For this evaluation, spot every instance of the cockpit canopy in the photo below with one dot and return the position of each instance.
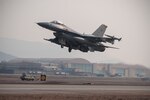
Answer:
(57, 22)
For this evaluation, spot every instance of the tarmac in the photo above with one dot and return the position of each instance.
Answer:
(43, 88)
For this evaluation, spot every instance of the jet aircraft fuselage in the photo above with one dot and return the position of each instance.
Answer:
(67, 37)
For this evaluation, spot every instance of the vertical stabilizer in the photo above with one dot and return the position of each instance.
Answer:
(100, 31)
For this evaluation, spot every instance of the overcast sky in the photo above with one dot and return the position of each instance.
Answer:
(129, 19)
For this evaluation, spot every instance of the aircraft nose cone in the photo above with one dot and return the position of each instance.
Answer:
(43, 24)
(46, 25)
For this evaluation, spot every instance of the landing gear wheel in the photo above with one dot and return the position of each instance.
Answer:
(69, 49)
(62, 46)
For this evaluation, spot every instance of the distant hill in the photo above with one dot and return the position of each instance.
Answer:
(6, 57)
(32, 49)
(51, 60)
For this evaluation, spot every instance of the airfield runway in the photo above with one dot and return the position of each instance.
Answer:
(73, 92)
(38, 88)
(74, 88)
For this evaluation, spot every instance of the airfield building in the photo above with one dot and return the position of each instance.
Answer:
(72, 66)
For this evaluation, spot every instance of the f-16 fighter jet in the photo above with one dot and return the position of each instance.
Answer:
(66, 37)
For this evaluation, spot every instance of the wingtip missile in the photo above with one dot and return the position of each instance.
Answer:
(46, 39)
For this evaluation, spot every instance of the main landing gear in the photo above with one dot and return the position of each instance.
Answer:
(62, 46)
(69, 49)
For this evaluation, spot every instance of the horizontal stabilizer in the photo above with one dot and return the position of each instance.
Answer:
(111, 47)
(114, 38)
